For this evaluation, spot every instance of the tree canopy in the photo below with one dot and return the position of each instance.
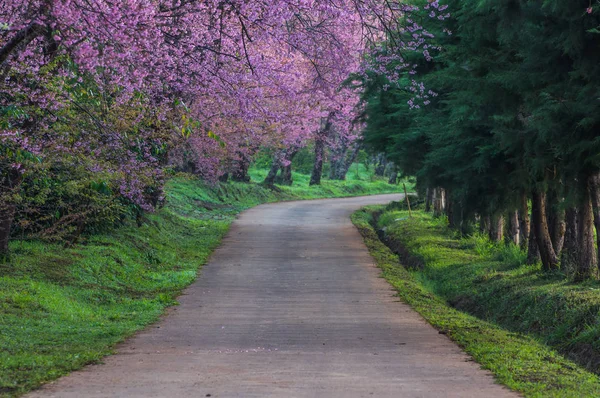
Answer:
(515, 116)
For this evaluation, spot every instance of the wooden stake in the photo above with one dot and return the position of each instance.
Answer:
(407, 200)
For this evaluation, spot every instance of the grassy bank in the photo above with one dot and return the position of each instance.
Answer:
(501, 312)
(63, 308)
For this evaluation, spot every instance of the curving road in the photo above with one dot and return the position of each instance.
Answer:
(290, 305)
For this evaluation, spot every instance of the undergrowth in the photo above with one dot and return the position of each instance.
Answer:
(513, 319)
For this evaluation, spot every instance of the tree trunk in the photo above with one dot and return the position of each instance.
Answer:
(240, 175)
(595, 194)
(240, 168)
(315, 178)
(558, 238)
(467, 224)
(454, 212)
(286, 171)
(270, 178)
(439, 202)
(224, 177)
(393, 178)
(341, 161)
(513, 234)
(348, 163)
(556, 221)
(7, 215)
(337, 160)
(587, 261)
(381, 163)
(485, 223)
(428, 199)
(443, 198)
(533, 252)
(10, 182)
(524, 221)
(286, 175)
(497, 228)
(570, 252)
(450, 211)
(20, 40)
(542, 235)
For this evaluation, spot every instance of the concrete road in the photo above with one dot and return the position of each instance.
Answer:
(290, 305)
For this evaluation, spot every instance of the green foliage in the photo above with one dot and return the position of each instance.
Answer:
(511, 255)
(263, 159)
(483, 246)
(518, 361)
(304, 160)
(97, 162)
(59, 204)
(302, 164)
(515, 110)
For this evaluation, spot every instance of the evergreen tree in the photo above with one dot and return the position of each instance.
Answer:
(516, 116)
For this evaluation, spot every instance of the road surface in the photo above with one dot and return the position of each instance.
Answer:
(290, 305)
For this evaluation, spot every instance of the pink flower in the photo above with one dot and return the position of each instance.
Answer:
(589, 10)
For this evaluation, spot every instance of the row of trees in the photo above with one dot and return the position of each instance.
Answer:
(504, 124)
(100, 99)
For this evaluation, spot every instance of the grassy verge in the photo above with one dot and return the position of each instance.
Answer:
(448, 264)
(61, 309)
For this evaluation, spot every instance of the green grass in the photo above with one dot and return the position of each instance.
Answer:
(361, 183)
(514, 311)
(63, 308)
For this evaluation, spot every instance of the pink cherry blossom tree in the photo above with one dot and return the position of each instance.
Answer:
(251, 73)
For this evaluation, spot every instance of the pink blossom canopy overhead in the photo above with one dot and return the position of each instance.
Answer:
(251, 73)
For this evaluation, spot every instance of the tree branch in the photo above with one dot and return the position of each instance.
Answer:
(23, 37)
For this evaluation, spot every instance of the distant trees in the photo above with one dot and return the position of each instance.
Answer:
(506, 120)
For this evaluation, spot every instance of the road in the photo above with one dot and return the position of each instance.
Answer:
(290, 305)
